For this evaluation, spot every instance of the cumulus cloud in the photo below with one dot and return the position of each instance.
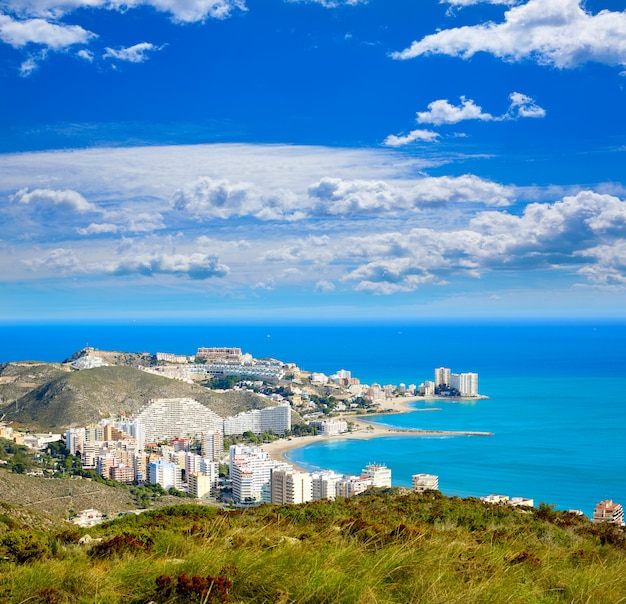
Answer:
(59, 260)
(427, 136)
(39, 31)
(524, 106)
(583, 232)
(137, 53)
(338, 197)
(98, 229)
(66, 200)
(194, 266)
(209, 198)
(558, 33)
(442, 112)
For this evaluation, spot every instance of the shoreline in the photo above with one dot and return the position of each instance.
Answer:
(364, 430)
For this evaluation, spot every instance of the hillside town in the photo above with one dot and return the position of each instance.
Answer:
(182, 447)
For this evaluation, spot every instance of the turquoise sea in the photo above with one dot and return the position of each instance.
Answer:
(556, 406)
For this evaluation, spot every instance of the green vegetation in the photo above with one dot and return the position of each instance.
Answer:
(384, 546)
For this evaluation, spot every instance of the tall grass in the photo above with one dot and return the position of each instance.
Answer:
(382, 547)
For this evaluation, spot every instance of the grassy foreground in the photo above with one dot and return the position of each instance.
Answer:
(381, 547)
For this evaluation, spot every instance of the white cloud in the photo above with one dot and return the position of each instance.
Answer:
(331, 3)
(442, 112)
(39, 31)
(338, 197)
(415, 135)
(524, 106)
(87, 55)
(559, 33)
(137, 53)
(194, 266)
(324, 286)
(59, 260)
(472, 2)
(98, 229)
(66, 200)
(187, 11)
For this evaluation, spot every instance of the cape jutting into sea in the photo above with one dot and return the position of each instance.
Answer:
(556, 406)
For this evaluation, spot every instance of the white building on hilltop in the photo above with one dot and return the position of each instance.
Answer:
(168, 418)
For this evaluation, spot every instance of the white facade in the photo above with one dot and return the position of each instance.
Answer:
(425, 482)
(442, 376)
(168, 418)
(290, 486)
(324, 484)
(276, 419)
(349, 486)
(250, 469)
(379, 474)
(75, 440)
(465, 383)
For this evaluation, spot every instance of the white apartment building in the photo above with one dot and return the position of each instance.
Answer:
(165, 473)
(290, 486)
(201, 485)
(75, 440)
(276, 419)
(213, 445)
(465, 383)
(250, 469)
(330, 427)
(324, 484)
(607, 511)
(425, 482)
(168, 418)
(379, 474)
(442, 377)
(349, 486)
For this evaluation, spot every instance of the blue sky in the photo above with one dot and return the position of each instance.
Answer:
(321, 159)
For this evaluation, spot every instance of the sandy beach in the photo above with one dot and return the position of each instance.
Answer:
(362, 430)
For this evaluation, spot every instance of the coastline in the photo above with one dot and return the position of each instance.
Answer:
(363, 430)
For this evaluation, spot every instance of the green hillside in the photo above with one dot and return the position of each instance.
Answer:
(78, 398)
(386, 546)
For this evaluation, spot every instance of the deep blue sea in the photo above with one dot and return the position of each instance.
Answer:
(557, 395)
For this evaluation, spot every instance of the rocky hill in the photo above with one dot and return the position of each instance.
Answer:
(58, 398)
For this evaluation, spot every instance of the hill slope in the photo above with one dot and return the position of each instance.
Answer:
(82, 397)
(384, 546)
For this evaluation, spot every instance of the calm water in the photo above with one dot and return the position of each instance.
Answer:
(557, 403)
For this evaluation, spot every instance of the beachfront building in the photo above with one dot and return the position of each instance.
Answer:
(466, 384)
(379, 474)
(166, 418)
(219, 354)
(607, 511)
(442, 377)
(289, 486)
(250, 470)
(427, 388)
(330, 427)
(324, 484)
(349, 485)
(425, 482)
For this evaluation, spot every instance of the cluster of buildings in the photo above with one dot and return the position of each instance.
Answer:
(256, 478)
(168, 428)
(447, 383)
